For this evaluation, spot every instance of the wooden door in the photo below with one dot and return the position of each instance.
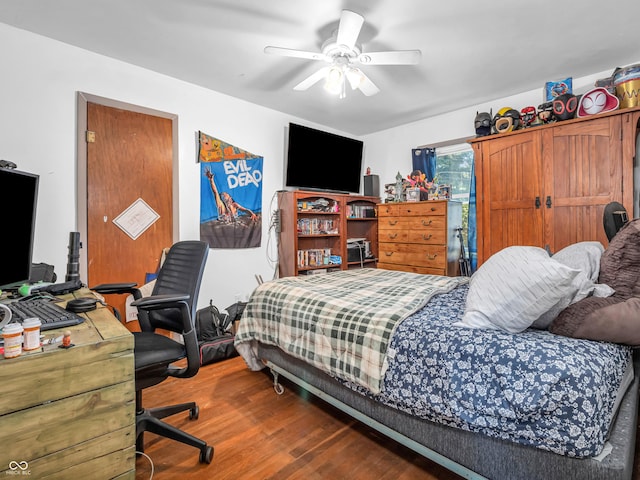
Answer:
(583, 173)
(509, 189)
(129, 157)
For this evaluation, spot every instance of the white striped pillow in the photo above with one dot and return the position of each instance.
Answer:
(514, 287)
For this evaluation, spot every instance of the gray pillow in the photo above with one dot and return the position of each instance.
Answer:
(585, 257)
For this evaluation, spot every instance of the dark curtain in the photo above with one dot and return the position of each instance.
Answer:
(424, 159)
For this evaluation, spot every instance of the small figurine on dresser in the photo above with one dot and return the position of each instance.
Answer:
(399, 188)
(417, 179)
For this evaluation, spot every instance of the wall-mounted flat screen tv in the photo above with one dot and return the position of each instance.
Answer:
(318, 160)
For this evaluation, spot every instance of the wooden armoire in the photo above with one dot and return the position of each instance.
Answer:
(548, 185)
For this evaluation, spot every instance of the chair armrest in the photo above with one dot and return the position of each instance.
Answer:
(155, 302)
(179, 302)
(108, 288)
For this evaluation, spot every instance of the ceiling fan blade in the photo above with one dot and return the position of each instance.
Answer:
(312, 79)
(349, 28)
(396, 57)
(357, 79)
(289, 52)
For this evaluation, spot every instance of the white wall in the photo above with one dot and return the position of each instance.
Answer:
(38, 86)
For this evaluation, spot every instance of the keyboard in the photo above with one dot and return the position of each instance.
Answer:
(50, 314)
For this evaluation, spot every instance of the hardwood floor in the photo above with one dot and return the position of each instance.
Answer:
(260, 435)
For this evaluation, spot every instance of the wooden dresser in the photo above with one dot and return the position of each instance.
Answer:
(420, 237)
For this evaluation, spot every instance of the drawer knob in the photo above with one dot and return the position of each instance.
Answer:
(392, 222)
(427, 237)
(425, 223)
(432, 257)
(433, 209)
(393, 235)
(388, 254)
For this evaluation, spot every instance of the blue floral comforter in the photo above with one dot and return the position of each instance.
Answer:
(534, 388)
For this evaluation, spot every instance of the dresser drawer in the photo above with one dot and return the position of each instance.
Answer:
(431, 256)
(392, 234)
(413, 269)
(422, 224)
(388, 209)
(432, 207)
(420, 235)
(428, 236)
(422, 208)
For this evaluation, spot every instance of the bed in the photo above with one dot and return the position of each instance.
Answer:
(404, 354)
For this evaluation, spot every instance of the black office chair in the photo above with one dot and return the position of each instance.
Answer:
(614, 218)
(172, 307)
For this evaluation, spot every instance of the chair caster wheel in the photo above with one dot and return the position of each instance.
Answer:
(206, 455)
(194, 413)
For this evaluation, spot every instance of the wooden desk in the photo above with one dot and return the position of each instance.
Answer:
(70, 413)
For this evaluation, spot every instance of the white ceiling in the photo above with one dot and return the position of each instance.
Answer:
(472, 52)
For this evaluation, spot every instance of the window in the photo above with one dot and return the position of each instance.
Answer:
(453, 167)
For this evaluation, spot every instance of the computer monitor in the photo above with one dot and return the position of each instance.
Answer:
(18, 198)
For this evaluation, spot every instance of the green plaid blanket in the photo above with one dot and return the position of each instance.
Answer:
(340, 322)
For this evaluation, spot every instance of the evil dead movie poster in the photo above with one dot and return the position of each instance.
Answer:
(230, 195)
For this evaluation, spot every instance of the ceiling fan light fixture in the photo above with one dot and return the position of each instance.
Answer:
(334, 81)
(355, 78)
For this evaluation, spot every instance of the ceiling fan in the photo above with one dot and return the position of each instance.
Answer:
(342, 53)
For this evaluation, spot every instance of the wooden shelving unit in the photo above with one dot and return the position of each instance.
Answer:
(315, 227)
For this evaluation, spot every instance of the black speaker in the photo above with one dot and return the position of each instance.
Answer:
(73, 262)
(372, 185)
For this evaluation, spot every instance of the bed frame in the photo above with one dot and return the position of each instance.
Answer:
(470, 455)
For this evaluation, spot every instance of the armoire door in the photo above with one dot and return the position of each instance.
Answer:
(583, 173)
(509, 185)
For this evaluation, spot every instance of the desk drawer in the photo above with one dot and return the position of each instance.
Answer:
(67, 430)
(432, 256)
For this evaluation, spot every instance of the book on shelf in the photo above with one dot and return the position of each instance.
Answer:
(317, 226)
(323, 205)
(361, 211)
(314, 257)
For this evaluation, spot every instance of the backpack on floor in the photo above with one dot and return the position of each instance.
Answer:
(214, 339)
